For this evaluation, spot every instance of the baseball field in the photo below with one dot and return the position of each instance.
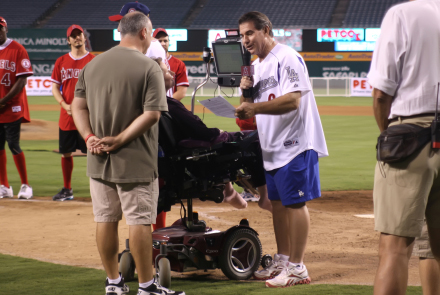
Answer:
(49, 247)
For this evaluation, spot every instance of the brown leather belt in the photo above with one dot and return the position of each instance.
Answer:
(413, 116)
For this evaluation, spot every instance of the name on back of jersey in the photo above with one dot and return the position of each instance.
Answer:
(7, 65)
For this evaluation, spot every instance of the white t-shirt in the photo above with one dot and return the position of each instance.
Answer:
(406, 60)
(283, 137)
(156, 50)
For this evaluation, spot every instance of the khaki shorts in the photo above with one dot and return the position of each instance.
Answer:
(138, 201)
(405, 191)
(422, 248)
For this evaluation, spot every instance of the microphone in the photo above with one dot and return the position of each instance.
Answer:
(247, 70)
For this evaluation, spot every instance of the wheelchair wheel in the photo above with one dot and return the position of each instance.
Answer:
(127, 266)
(164, 272)
(266, 260)
(241, 254)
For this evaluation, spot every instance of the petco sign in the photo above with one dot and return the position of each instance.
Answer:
(331, 35)
(38, 86)
(360, 87)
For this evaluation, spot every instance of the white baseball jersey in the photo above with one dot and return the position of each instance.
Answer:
(283, 137)
(156, 50)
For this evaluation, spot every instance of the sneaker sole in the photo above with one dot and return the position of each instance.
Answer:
(64, 199)
(302, 282)
(6, 197)
(21, 197)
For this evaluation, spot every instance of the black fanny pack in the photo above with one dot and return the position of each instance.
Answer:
(401, 141)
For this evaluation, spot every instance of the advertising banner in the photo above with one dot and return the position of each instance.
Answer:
(41, 43)
(360, 87)
(39, 86)
(341, 69)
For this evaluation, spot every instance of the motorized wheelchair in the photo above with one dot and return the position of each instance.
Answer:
(196, 169)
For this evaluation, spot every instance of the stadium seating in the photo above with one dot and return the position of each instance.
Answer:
(94, 14)
(367, 14)
(22, 13)
(282, 13)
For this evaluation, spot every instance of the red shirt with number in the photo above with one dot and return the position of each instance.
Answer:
(14, 63)
(65, 73)
(181, 77)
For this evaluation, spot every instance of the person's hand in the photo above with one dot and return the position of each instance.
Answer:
(245, 111)
(108, 144)
(246, 82)
(2, 104)
(92, 145)
(67, 108)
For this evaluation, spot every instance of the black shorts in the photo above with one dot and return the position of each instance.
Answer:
(70, 141)
(10, 132)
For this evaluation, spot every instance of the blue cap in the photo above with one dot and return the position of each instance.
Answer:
(130, 7)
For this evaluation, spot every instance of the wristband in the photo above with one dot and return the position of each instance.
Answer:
(88, 136)
(61, 102)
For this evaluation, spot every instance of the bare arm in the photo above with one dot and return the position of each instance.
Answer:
(138, 127)
(80, 114)
(59, 98)
(381, 107)
(180, 93)
(278, 106)
(15, 89)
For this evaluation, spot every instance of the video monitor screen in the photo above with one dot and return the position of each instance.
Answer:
(228, 58)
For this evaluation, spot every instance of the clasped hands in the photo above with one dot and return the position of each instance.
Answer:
(100, 146)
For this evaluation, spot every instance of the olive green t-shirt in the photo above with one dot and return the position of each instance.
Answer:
(119, 85)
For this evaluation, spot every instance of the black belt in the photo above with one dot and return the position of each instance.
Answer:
(412, 117)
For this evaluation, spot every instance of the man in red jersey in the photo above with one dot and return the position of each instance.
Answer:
(15, 67)
(65, 75)
(181, 83)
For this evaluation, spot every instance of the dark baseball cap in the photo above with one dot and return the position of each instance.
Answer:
(159, 30)
(3, 22)
(130, 7)
(73, 27)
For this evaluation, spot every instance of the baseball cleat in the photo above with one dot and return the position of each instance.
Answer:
(64, 194)
(6, 192)
(26, 192)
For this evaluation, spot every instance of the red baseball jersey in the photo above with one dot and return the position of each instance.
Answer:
(14, 63)
(65, 73)
(179, 68)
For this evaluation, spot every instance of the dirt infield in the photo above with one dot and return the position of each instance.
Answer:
(342, 248)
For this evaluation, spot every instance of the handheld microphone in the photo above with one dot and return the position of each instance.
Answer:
(247, 70)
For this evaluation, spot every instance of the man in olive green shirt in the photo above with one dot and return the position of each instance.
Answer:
(118, 100)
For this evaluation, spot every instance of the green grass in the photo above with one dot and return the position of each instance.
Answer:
(21, 276)
(350, 139)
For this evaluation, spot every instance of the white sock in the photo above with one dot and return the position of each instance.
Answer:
(115, 281)
(283, 257)
(146, 285)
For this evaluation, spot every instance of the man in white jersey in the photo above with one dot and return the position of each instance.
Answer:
(155, 50)
(405, 72)
(291, 139)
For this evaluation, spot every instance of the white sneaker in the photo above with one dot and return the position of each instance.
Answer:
(25, 192)
(249, 197)
(272, 270)
(290, 276)
(6, 192)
